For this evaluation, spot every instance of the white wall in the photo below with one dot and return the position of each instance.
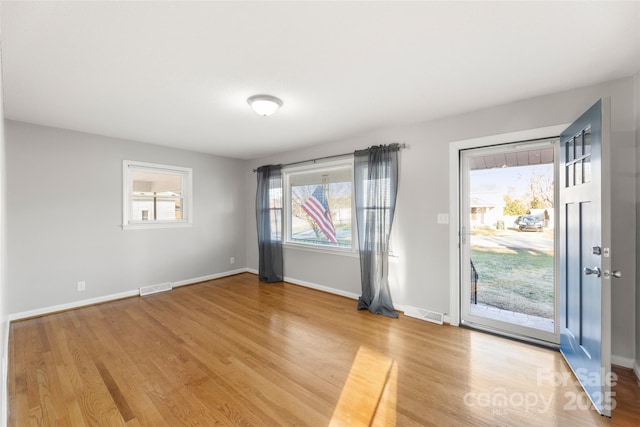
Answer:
(64, 210)
(420, 277)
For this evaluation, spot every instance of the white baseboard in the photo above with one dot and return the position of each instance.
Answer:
(334, 291)
(313, 286)
(636, 369)
(625, 362)
(71, 305)
(322, 288)
(209, 277)
(106, 298)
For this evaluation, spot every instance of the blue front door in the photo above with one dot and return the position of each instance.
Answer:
(585, 255)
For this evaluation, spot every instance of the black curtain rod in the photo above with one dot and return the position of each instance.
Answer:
(325, 158)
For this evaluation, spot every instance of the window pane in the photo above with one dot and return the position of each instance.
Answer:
(275, 218)
(275, 198)
(578, 166)
(156, 196)
(275, 208)
(586, 163)
(168, 209)
(321, 207)
(160, 184)
(142, 209)
(578, 146)
(587, 140)
(570, 150)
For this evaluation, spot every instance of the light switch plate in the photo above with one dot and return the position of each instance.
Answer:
(443, 218)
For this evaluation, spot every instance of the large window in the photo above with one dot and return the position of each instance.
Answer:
(156, 195)
(319, 204)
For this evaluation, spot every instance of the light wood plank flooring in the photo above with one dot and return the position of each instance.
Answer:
(237, 352)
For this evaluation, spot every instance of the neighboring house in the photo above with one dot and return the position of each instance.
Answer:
(483, 213)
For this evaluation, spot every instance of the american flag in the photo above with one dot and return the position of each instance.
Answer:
(318, 208)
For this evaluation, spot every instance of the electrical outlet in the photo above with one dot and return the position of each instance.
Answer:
(232, 260)
(81, 286)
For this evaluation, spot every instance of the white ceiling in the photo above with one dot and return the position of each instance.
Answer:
(179, 73)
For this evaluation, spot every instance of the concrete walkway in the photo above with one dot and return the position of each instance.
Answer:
(521, 319)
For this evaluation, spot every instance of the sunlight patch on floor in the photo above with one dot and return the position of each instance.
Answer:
(369, 394)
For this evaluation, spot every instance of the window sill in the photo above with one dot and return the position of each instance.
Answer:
(393, 257)
(156, 225)
(324, 250)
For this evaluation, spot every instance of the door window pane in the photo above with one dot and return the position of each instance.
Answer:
(586, 163)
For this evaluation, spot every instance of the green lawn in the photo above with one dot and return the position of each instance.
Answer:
(518, 280)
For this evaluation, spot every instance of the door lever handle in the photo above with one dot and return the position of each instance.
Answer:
(595, 271)
(608, 274)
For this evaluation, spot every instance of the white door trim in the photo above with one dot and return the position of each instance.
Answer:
(454, 199)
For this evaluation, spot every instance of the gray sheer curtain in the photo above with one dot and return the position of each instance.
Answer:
(376, 185)
(269, 220)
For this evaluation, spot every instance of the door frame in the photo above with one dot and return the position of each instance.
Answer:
(501, 327)
(454, 200)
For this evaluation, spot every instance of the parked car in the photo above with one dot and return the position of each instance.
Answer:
(528, 223)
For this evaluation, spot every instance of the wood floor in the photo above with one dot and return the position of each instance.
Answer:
(236, 352)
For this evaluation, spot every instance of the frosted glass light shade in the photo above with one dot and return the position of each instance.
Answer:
(265, 105)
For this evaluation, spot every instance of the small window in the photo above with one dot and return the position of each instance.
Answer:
(319, 205)
(156, 196)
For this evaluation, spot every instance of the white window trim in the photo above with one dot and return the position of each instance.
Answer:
(309, 247)
(187, 187)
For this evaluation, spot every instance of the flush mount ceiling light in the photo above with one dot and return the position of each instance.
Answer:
(265, 105)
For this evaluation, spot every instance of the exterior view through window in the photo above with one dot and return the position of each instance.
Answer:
(156, 195)
(320, 202)
(509, 228)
